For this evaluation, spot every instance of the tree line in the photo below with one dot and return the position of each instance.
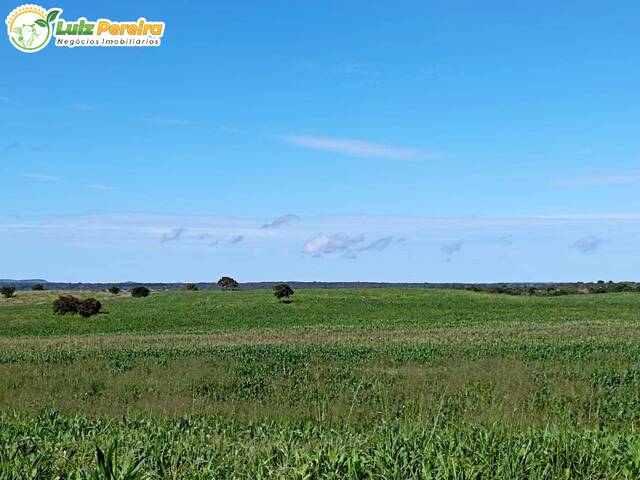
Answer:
(71, 305)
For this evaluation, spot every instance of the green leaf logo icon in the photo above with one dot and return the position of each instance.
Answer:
(52, 15)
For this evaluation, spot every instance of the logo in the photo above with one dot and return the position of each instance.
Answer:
(31, 27)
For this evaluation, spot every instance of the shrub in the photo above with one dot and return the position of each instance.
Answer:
(140, 291)
(89, 307)
(114, 290)
(7, 292)
(191, 286)
(38, 287)
(282, 291)
(623, 287)
(568, 290)
(66, 305)
(227, 283)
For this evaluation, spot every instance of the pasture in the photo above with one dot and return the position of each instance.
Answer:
(371, 383)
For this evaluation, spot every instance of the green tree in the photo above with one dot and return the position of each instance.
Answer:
(282, 291)
(8, 291)
(89, 307)
(227, 283)
(140, 291)
(66, 305)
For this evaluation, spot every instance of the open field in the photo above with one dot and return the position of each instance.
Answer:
(380, 383)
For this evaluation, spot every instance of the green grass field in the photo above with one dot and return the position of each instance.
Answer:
(378, 383)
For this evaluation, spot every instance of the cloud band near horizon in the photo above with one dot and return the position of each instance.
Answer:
(359, 148)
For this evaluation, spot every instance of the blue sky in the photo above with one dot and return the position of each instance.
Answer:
(383, 141)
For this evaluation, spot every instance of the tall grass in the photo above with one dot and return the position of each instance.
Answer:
(53, 446)
(379, 384)
(316, 311)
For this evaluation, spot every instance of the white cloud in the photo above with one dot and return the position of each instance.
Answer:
(224, 129)
(325, 244)
(588, 245)
(588, 216)
(345, 244)
(282, 221)
(451, 248)
(172, 235)
(236, 239)
(170, 121)
(379, 244)
(430, 238)
(358, 148)
(597, 180)
(181, 122)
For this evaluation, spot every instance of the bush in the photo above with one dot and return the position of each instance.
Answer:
(623, 287)
(114, 290)
(282, 291)
(191, 286)
(7, 292)
(140, 291)
(89, 307)
(568, 290)
(66, 305)
(37, 287)
(227, 283)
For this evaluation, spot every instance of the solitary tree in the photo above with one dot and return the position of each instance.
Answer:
(8, 291)
(191, 286)
(89, 307)
(283, 291)
(38, 287)
(66, 305)
(140, 291)
(114, 290)
(227, 283)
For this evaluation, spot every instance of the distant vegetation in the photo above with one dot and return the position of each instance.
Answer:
(140, 291)
(89, 307)
(227, 283)
(282, 291)
(512, 288)
(8, 291)
(70, 305)
(38, 287)
(114, 290)
(66, 305)
(553, 290)
(191, 286)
